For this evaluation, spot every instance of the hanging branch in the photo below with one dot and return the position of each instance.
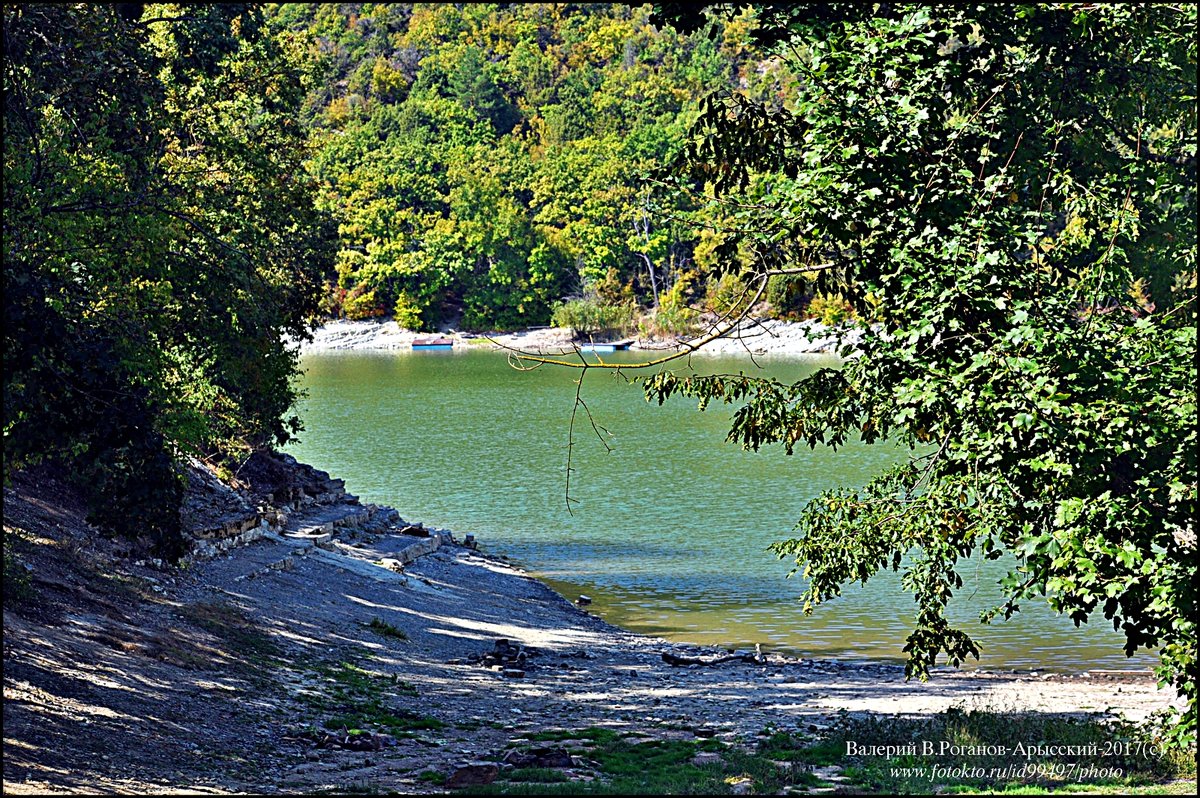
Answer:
(596, 428)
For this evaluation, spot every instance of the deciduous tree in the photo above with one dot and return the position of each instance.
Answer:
(1010, 191)
(159, 241)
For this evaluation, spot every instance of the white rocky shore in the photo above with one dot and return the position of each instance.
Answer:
(754, 337)
(239, 673)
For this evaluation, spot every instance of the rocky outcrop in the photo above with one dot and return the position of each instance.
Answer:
(280, 480)
(473, 774)
(275, 496)
(214, 511)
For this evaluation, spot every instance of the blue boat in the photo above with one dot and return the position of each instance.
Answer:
(433, 343)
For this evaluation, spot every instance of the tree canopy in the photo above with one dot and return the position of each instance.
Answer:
(1010, 192)
(160, 238)
(486, 160)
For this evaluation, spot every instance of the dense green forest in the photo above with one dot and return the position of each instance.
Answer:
(485, 161)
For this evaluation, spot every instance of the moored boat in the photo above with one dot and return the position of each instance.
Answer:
(433, 343)
(611, 346)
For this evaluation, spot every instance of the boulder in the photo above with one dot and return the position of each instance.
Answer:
(546, 757)
(281, 479)
(473, 774)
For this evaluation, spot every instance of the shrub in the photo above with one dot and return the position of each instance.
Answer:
(407, 312)
(362, 304)
(382, 627)
(674, 315)
(673, 320)
(787, 294)
(830, 309)
(726, 295)
(331, 300)
(612, 291)
(591, 316)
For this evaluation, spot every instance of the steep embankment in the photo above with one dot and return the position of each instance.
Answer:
(247, 671)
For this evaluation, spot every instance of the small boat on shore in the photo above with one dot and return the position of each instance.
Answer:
(612, 346)
(433, 343)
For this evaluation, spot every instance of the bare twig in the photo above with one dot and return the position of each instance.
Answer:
(929, 468)
(596, 428)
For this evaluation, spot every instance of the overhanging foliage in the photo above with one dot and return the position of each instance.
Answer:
(1011, 193)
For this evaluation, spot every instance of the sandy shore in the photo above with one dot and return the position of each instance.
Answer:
(755, 337)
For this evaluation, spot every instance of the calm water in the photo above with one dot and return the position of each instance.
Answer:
(670, 529)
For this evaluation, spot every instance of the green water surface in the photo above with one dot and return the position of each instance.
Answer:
(669, 531)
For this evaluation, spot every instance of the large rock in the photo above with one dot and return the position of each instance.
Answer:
(264, 490)
(420, 548)
(546, 757)
(281, 479)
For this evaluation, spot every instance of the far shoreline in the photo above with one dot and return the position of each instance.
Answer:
(753, 337)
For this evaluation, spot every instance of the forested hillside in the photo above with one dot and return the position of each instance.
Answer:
(484, 161)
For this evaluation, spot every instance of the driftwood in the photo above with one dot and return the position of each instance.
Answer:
(678, 661)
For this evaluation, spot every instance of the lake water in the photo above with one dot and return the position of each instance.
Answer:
(670, 529)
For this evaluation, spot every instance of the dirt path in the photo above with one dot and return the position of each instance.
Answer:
(230, 675)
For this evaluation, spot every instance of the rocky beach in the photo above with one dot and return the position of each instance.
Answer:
(752, 336)
(314, 642)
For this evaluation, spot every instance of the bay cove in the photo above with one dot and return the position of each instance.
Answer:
(669, 533)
